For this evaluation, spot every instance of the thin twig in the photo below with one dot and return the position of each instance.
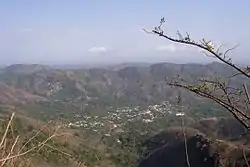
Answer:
(247, 93)
(245, 157)
(179, 101)
(53, 148)
(28, 151)
(146, 31)
(7, 129)
(229, 50)
(33, 137)
(192, 43)
(233, 110)
(185, 142)
(11, 150)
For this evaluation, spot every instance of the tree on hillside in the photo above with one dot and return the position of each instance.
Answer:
(233, 98)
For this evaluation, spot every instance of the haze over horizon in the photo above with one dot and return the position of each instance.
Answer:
(98, 32)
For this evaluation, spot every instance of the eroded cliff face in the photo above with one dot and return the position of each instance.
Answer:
(168, 150)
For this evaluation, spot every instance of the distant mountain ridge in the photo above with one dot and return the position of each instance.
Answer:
(26, 68)
(118, 85)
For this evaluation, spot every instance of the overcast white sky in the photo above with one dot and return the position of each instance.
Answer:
(77, 32)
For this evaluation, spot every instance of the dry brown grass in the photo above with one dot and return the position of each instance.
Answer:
(14, 151)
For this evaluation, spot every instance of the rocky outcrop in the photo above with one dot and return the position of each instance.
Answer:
(168, 149)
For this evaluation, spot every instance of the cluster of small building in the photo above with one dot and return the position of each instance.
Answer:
(121, 116)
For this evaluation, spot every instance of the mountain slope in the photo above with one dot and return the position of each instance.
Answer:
(100, 87)
(169, 148)
(11, 95)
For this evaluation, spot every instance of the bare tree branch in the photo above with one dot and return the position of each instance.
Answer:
(204, 45)
(235, 100)
(229, 50)
(234, 111)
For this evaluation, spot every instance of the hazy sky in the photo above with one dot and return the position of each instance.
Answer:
(103, 31)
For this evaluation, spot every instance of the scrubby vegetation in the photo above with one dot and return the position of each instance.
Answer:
(127, 116)
(106, 121)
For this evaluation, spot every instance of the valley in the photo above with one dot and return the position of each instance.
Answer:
(111, 115)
